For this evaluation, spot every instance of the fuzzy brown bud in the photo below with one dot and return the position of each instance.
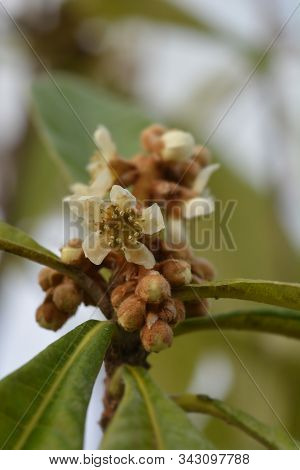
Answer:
(172, 311)
(150, 137)
(131, 313)
(121, 292)
(153, 288)
(48, 316)
(157, 337)
(43, 279)
(177, 272)
(168, 312)
(67, 297)
(49, 278)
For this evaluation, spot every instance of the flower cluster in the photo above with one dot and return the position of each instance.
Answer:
(144, 302)
(132, 213)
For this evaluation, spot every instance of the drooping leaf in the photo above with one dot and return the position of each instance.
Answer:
(281, 322)
(17, 242)
(270, 437)
(281, 294)
(43, 404)
(69, 109)
(147, 419)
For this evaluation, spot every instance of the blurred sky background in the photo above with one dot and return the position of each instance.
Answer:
(230, 73)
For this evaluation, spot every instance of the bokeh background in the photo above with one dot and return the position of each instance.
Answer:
(230, 73)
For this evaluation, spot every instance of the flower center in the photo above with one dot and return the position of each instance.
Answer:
(120, 227)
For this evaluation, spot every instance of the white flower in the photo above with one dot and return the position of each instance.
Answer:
(119, 225)
(177, 145)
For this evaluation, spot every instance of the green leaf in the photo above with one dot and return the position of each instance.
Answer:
(17, 242)
(281, 322)
(14, 240)
(44, 403)
(68, 110)
(147, 419)
(282, 294)
(270, 437)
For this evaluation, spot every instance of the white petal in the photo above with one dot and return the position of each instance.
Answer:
(103, 182)
(79, 189)
(198, 207)
(104, 142)
(94, 248)
(153, 220)
(75, 205)
(140, 255)
(204, 176)
(96, 164)
(178, 145)
(122, 197)
(91, 206)
(175, 231)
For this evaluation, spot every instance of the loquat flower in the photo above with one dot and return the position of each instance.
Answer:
(118, 225)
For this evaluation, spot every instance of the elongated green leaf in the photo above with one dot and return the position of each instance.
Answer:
(281, 322)
(69, 109)
(43, 404)
(147, 419)
(270, 437)
(282, 294)
(15, 241)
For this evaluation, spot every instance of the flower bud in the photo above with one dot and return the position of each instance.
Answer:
(177, 272)
(158, 337)
(172, 312)
(177, 145)
(153, 288)
(43, 279)
(121, 292)
(67, 297)
(150, 137)
(49, 278)
(131, 313)
(48, 316)
(71, 255)
(168, 312)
